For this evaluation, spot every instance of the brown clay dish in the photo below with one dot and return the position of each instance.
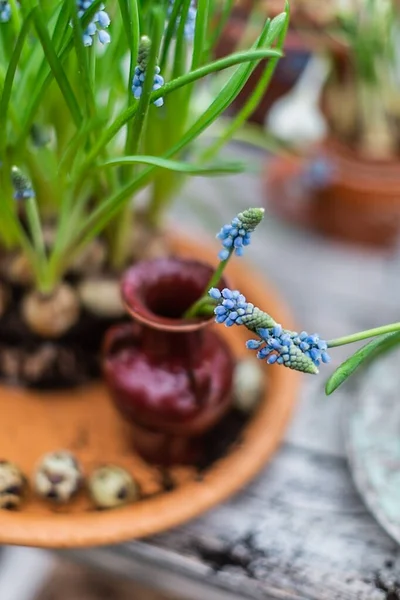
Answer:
(85, 422)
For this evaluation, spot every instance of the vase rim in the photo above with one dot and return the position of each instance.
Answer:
(140, 281)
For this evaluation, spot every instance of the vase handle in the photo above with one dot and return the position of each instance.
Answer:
(118, 336)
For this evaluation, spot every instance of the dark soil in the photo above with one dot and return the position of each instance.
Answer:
(29, 360)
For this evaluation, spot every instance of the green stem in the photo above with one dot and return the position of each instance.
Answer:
(194, 310)
(119, 238)
(56, 65)
(35, 227)
(130, 13)
(363, 335)
(122, 230)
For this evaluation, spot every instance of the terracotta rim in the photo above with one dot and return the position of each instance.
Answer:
(134, 301)
(261, 437)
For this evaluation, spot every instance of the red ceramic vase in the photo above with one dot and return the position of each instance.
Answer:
(170, 377)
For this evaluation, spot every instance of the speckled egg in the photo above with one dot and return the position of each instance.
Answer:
(12, 485)
(58, 476)
(112, 486)
(248, 385)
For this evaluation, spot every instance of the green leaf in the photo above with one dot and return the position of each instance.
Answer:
(42, 86)
(369, 351)
(104, 212)
(169, 33)
(200, 33)
(83, 62)
(218, 65)
(276, 27)
(180, 54)
(9, 80)
(130, 18)
(218, 168)
(157, 25)
(56, 66)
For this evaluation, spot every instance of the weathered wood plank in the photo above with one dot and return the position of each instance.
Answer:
(299, 531)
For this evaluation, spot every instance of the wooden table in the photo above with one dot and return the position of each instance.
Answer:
(300, 531)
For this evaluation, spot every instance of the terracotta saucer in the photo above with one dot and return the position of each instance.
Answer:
(85, 421)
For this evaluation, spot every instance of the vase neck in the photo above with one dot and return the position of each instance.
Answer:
(185, 345)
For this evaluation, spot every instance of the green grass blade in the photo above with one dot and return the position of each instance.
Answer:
(200, 33)
(9, 81)
(218, 168)
(144, 101)
(169, 33)
(83, 62)
(44, 82)
(218, 65)
(130, 18)
(278, 29)
(367, 352)
(56, 66)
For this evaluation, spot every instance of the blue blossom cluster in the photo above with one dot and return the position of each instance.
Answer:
(138, 80)
(232, 306)
(23, 189)
(236, 234)
(98, 25)
(312, 346)
(5, 11)
(302, 352)
(277, 345)
(190, 23)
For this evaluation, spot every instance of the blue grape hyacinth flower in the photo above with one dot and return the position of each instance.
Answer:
(312, 346)
(98, 25)
(138, 80)
(301, 352)
(23, 189)
(5, 11)
(232, 307)
(236, 234)
(190, 22)
(278, 345)
(140, 72)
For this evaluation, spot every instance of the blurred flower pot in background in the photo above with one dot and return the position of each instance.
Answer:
(349, 185)
(338, 193)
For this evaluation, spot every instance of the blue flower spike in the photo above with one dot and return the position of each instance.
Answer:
(190, 23)
(23, 189)
(236, 235)
(301, 352)
(5, 11)
(140, 72)
(231, 308)
(98, 24)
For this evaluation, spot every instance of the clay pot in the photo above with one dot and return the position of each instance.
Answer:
(339, 194)
(170, 378)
